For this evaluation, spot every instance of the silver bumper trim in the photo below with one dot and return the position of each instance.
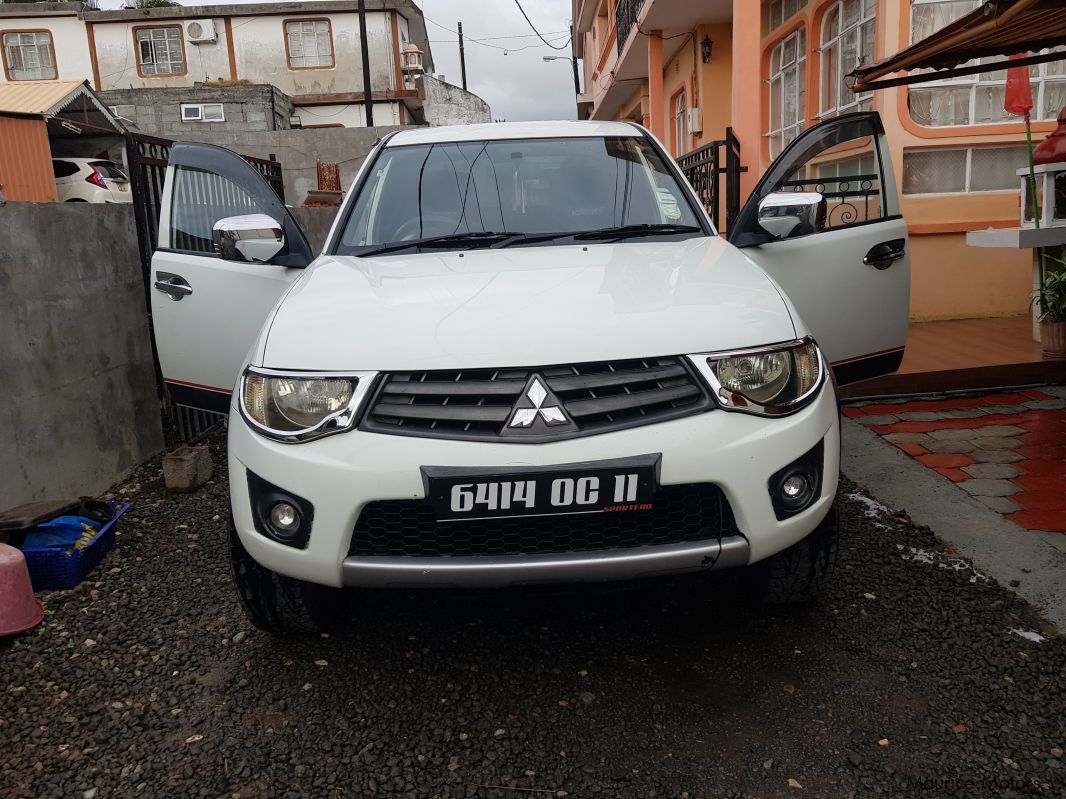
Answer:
(572, 567)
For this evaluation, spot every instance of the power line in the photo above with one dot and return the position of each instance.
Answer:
(486, 43)
(534, 29)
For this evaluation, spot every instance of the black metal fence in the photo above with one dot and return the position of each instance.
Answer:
(849, 198)
(704, 168)
(147, 158)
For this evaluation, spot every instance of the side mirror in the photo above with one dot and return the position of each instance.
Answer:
(787, 215)
(253, 237)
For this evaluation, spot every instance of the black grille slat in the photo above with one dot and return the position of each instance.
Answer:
(477, 404)
(458, 413)
(623, 402)
(604, 379)
(510, 388)
(408, 528)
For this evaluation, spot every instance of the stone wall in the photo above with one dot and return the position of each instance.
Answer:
(78, 402)
(447, 104)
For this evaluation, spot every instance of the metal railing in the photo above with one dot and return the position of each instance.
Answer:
(854, 198)
(704, 168)
(625, 19)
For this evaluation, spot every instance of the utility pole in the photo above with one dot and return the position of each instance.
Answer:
(368, 95)
(462, 56)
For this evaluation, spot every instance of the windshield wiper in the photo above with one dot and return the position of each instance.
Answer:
(632, 231)
(476, 237)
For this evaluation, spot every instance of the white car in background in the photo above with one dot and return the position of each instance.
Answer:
(525, 356)
(90, 180)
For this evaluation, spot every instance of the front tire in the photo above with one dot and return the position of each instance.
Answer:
(273, 602)
(797, 574)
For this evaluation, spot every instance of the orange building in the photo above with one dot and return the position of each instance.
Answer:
(767, 69)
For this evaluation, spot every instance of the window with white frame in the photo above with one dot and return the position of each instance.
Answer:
(310, 43)
(778, 12)
(958, 170)
(847, 41)
(160, 51)
(788, 95)
(975, 99)
(28, 55)
(202, 112)
(680, 109)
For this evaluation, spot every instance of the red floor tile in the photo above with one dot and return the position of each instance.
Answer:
(954, 475)
(1050, 520)
(945, 460)
(1043, 452)
(1041, 482)
(853, 413)
(1042, 500)
(1037, 394)
(1042, 467)
(1044, 437)
(949, 424)
(914, 450)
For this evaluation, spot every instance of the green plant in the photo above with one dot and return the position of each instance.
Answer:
(1052, 297)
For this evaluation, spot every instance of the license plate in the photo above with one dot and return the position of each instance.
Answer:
(618, 486)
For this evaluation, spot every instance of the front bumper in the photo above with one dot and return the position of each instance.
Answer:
(340, 474)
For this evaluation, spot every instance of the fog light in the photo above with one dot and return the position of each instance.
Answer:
(284, 518)
(794, 488)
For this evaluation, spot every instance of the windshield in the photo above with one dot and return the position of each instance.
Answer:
(523, 188)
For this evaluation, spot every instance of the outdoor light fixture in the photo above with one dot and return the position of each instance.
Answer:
(705, 48)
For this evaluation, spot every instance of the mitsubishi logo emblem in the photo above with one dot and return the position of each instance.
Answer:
(537, 401)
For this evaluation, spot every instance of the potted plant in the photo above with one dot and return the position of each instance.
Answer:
(1051, 300)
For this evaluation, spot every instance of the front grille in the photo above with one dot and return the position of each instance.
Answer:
(477, 404)
(410, 528)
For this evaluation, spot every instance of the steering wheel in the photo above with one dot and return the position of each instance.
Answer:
(409, 229)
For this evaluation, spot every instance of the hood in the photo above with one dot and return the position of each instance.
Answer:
(525, 306)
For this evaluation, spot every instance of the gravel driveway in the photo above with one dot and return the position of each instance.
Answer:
(906, 680)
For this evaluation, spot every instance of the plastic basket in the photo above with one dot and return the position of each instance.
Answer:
(63, 567)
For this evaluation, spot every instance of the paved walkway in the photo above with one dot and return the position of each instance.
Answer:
(1007, 450)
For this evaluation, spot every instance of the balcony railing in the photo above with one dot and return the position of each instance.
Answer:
(625, 19)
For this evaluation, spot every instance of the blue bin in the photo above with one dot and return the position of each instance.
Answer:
(63, 567)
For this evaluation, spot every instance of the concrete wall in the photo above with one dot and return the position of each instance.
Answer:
(446, 104)
(78, 405)
(245, 108)
(299, 150)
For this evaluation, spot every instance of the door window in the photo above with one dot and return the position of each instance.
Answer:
(845, 171)
(200, 199)
(64, 169)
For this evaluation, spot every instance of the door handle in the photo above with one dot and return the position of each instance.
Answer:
(883, 255)
(174, 286)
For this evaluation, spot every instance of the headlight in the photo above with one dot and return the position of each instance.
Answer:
(299, 406)
(769, 381)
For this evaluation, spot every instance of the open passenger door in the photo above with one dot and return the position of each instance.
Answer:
(228, 249)
(824, 222)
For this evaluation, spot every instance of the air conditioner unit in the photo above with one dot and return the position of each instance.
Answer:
(200, 31)
(695, 120)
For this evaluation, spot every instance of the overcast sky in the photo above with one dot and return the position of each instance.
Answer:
(507, 73)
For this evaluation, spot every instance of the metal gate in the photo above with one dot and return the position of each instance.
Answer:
(704, 168)
(147, 158)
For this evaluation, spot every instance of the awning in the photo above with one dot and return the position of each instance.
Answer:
(997, 28)
(69, 106)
